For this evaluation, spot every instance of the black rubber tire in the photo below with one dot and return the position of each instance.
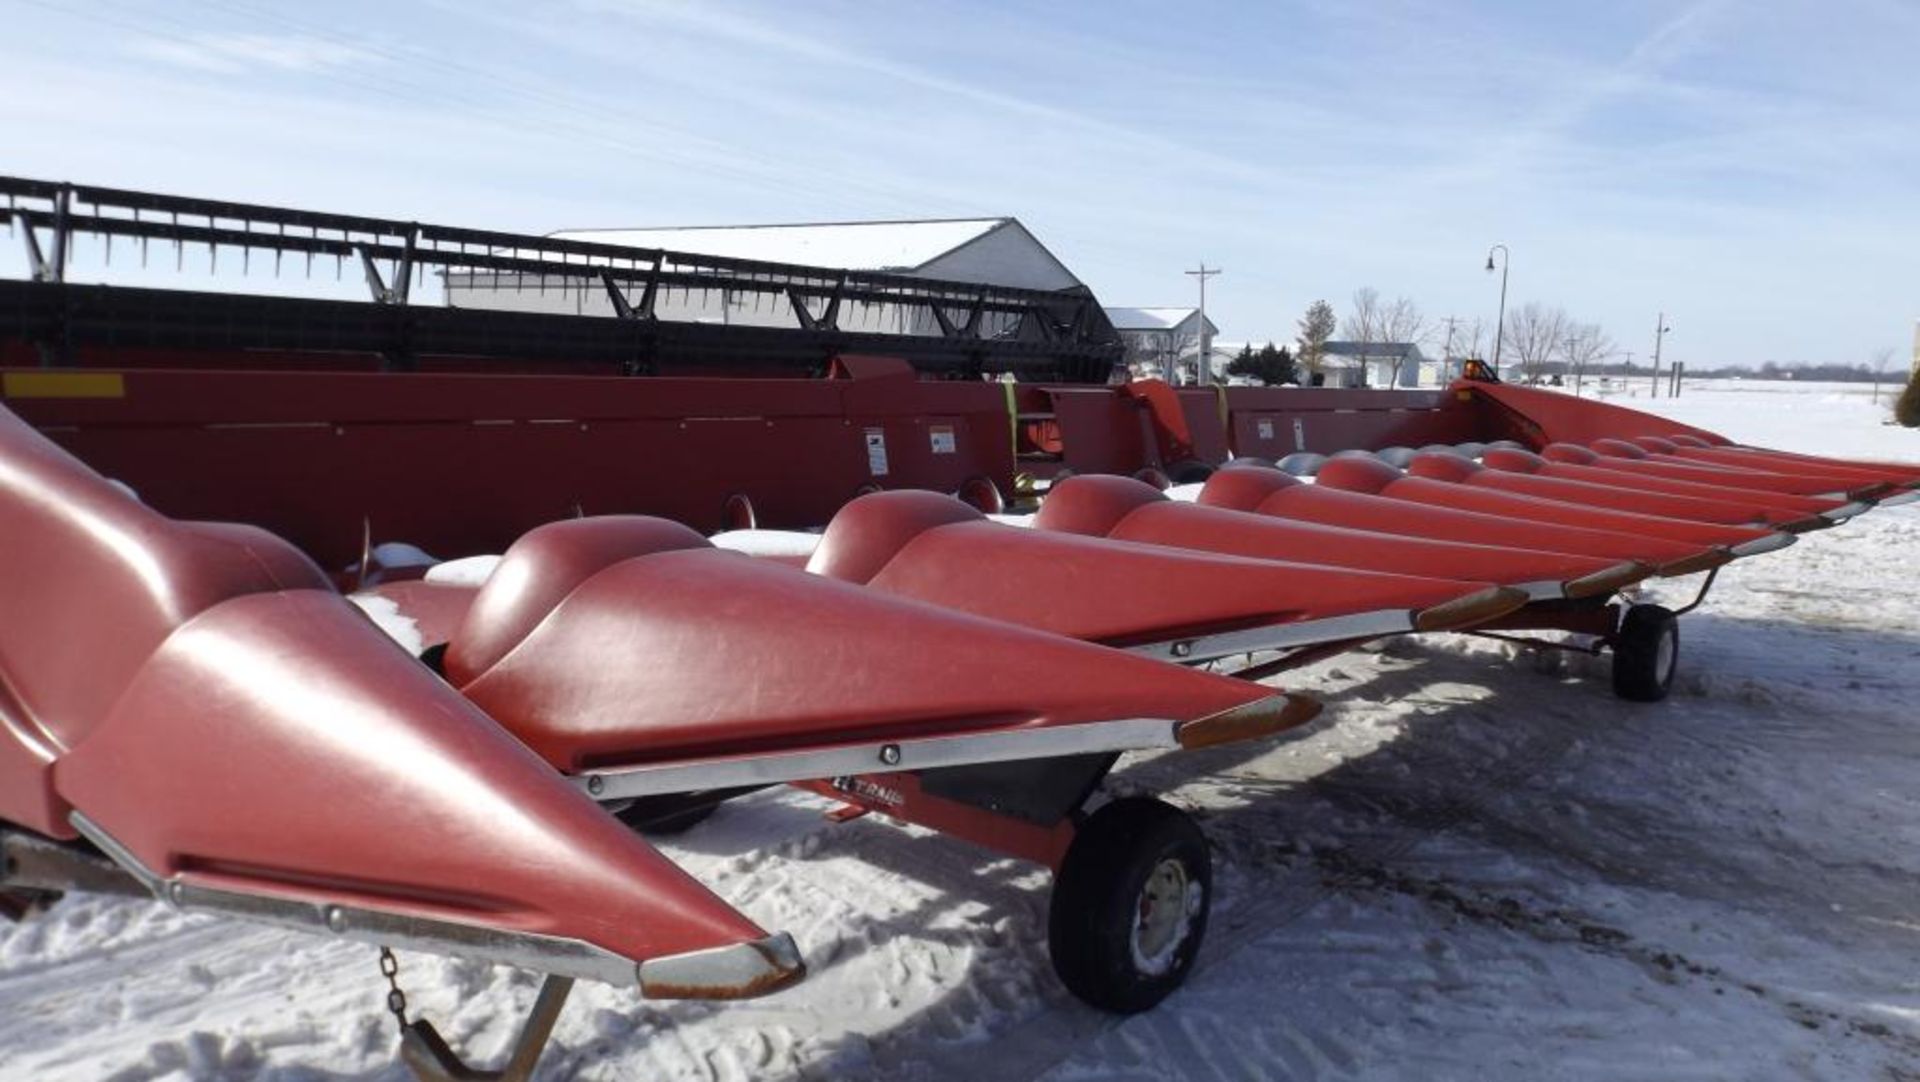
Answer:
(667, 826)
(1189, 472)
(1154, 476)
(981, 494)
(1097, 898)
(1646, 653)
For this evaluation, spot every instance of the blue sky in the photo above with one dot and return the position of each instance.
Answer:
(1749, 167)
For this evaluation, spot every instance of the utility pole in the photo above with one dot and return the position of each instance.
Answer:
(1446, 353)
(1660, 330)
(1203, 367)
(1500, 324)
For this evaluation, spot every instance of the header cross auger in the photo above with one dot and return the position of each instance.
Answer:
(190, 479)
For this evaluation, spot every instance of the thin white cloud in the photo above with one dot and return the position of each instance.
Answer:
(240, 54)
(732, 26)
(1691, 158)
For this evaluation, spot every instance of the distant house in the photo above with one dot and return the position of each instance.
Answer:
(1164, 340)
(1372, 364)
(1553, 373)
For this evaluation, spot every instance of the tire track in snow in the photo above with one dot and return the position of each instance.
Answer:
(1064, 1027)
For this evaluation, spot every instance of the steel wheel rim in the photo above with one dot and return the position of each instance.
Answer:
(1164, 916)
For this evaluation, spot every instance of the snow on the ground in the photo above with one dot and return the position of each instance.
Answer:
(790, 543)
(1842, 419)
(1478, 864)
(466, 571)
(386, 615)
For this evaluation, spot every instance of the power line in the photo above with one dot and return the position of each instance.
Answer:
(1203, 366)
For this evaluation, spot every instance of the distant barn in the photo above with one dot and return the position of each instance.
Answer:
(990, 251)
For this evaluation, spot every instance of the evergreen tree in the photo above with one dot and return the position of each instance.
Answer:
(1315, 328)
(1270, 366)
(1907, 409)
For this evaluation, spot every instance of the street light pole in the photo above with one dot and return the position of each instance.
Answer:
(1500, 327)
(1660, 330)
(1203, 366)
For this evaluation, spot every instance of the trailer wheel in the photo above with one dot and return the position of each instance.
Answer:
(1190, 471)
(666, 826)
(1645, 653)
(1130, 904)
(981, 494)
(1154, 476)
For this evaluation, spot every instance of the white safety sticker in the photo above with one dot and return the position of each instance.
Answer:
(1299, 435)
(877, 452)
(1266, 428)
(942, 439)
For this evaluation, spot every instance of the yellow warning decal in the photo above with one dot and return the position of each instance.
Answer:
(63, 385)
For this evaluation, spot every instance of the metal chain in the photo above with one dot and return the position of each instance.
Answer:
(396, 999)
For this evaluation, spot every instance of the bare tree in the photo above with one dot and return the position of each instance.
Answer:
(1463, 339)
(1881, 359)
(1471, 336)
(1374, 321)
(1363, 322)
(1402, 324)
(1586, 344)
(1315, 328)
(1535, 332)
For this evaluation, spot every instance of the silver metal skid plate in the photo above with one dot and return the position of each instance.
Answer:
(1128, 734)
(1361, 625)
(525, 950)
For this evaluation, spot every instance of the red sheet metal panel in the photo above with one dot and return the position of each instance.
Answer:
(1123, 509)
(321, 458)
(1447, 467)
(1270, 492)
(1372, 475)
(1102, 429)
(701, 652)
(1904, 472)
(1749, 458)
(1273, 422)
(205, 698)
(1800, 480)
(1630, 458)
(279, 743)
(934, 549)
(1188, 424)
(1538, 417)
(1777, 507)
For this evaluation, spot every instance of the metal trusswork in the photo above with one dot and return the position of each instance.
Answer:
(951, 329)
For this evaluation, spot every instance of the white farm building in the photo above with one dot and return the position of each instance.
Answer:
(989, 251)
(1164, 341)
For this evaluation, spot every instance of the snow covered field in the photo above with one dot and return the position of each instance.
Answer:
(1475, 865)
